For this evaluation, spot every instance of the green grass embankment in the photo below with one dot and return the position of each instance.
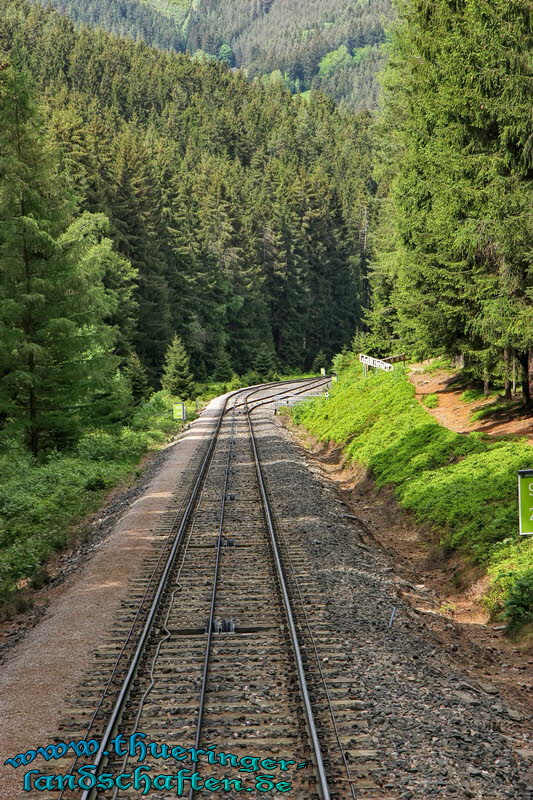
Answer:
(41, 503)
(464, 485)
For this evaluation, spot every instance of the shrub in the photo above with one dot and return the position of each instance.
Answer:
(39, 503)
(492, 409)
(471, 395)
(518, 608)
(430, 400)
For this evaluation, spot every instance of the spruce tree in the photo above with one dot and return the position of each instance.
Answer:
(224, 368)
(177, 376)
(453, 271)
(137, 377)
(264, 363)
(54, 343)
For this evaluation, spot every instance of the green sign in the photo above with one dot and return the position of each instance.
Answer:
(525, 501)
(180, 412)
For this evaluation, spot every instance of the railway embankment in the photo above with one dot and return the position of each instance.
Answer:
(460, 489)
(429, 715)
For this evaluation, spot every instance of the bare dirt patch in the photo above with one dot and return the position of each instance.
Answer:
(455, 414)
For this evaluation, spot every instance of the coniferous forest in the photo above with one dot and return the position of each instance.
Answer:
(230, 206)
(329, 45)
(452, 230)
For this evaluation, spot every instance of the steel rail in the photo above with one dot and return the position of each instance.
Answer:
(317, 383)
(205, 673)
(308, 708)
(118, 707)
(271, 397)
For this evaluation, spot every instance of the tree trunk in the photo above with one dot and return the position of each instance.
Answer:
(530, 372)
(34, 430)
(507, 356)
(486, 383)
(524, 359)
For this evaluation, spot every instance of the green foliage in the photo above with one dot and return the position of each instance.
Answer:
(440, 364)
(158, 25)
(471, 395)
(234, 208)
(177, 378)
(451, 263)
(518, 607)
(226, 55)
(137, 377)
(333, 61)
(430, 400)
(465, 485)
(224, 367)
(327, 45)
(54, 338)
(491, 410)
(511, 573)
(39, 503)
(321, 362)
(264, 365)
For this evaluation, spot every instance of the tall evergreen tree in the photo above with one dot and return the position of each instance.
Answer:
(137, 377)
(224, 368)
(177, 376)
(54, 342)
(265, 363)
(459, 276)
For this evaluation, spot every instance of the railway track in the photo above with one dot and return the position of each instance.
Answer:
(223, 646)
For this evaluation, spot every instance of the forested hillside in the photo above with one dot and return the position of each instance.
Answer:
(134, 18)
(333, 45)
(234, 210)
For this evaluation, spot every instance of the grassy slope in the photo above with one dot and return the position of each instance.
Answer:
(465, 485)
(39, 503)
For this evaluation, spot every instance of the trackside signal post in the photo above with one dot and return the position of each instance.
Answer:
(525, 501)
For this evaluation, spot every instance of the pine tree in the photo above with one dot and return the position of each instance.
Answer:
(54, 343)
(137, 377)
(224, 368)
(177, 377)
(265, 363)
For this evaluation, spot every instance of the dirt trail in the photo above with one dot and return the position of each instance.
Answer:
(454, 413)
